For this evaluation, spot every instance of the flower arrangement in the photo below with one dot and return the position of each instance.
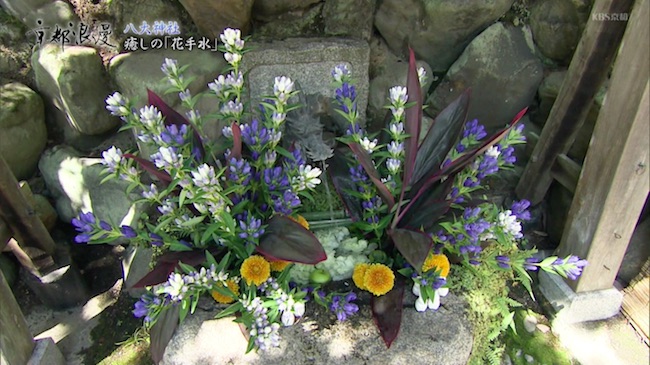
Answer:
(226, 222)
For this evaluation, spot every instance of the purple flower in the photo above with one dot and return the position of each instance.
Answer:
(343, 307)
(275, 179)
(345, 95)
(239, 171)
(254, 135)
(471, 212)
(82, 238)
(530, 264)
(438, 283)
(105, 226)
(474, 129)
(507, 155)
(128, 232)
(173, 135)
(156, 240)
(286, 202)
(488, 166)
(251, 228)
(358, 174)
(475, 229)
(503, 261)
(519, 209)
(574, 266)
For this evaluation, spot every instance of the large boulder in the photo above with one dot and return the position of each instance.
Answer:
(437, 30)
(304, 23)
(212, 17)
(136, 12)
(75, 183)
(556, 28)
(502, 72)
(74, 85)
(431, 338)
(133, 73)
(309, 62)
(267, 10)
(23, 134)
(349, 18)
(49, 13)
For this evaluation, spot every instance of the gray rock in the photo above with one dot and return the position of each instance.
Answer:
(442, 337)
(22, 128)
(266, 10)
(139, 11)
(212, 17)
(304, 23)
(501, 70)
(349, 18)
(530, 323)
(74, 85)
(556, 28)
(310, 63)
(134, 73)
(51, 13)
(438, 31)
(394, 74)
(74, 182)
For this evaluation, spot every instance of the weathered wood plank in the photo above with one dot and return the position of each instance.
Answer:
(587, 71)
(615, 180)
(21, 218)
(16, 342)
(564, 170)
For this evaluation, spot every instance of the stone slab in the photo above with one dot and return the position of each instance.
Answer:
(572, 307)
(46, 353)
(431, 338)
(309, 62)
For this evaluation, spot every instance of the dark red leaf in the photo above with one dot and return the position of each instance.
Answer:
(236, 141)
(339, 174)
(426, 211)
(412, 118)
(287, 240)
(387, 311)
(162, 331)
(413, 245)
(163, 176)
(364, 159)
(174, 117)
(167, 263)
(441, 138)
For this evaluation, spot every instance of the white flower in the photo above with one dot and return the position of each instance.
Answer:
(227, 131)
(151, 117)
(232, 108)
(310, 174)
(231, 37)
(116, 104)
(236, 82)
(204, 176)
(278, 118)
(218, 86)
(510, 224)
(393, 165)
(397, 96)
(232, 58)
(395, 148)
(397, 112)
(288, 319)
(340, 72)
(422, 75)
(396, 129)
(112, 158)
(282, 88)
(493, 151)
(368, 145)
(170, 67)
(421, 305)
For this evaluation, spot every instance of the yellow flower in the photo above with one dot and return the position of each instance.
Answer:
(438, 262)
(300, 220)
(378, 279)
(224, 299)
(279, 265)
(358, 274)
(255, 269)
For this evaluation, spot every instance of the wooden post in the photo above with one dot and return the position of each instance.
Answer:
(16, 342)
(21, 218)
(615, 181)
(587, 71)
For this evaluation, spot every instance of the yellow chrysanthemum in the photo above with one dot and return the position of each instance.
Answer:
(224, 299)
(378, 279)
(358, 275)
(279, 265)
(300, 220)
(437, 262)
(255, 269)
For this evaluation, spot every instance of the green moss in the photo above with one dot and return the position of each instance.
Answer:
(543, 347)
(320, 201)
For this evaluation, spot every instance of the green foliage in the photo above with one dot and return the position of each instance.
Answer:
(486, 291)
(320, 199)
(543, 347)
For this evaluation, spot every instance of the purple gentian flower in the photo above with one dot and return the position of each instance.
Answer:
(128, 232)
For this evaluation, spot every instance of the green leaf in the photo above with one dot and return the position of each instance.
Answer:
(192, 222)
(233, 308)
